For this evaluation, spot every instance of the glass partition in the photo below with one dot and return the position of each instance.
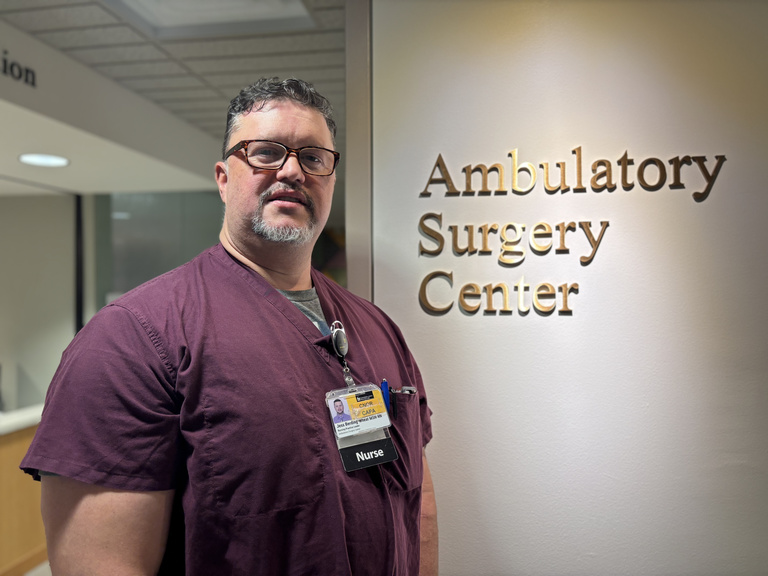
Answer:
(127, 240)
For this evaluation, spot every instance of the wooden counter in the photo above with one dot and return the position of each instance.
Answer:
(22, 538)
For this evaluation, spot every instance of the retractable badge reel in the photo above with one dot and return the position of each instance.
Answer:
(359, 415)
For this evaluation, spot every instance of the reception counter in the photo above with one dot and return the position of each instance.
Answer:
(22, 538)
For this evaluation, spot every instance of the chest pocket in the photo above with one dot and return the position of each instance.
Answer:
(260, 449)
(406, 472)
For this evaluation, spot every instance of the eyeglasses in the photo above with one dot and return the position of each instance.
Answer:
(269, 155)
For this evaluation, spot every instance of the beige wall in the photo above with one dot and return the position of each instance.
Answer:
(629, 437)
(37, 292)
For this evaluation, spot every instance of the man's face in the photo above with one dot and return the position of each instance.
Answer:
(276, 204)
(339, 406)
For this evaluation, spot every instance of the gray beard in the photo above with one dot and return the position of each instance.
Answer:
(297, 235)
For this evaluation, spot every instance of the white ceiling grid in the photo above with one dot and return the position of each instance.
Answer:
(192, 78)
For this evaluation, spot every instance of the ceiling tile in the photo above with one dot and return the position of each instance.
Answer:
(117, 54)
(96, 36)
(209, 113)
(140, 70)
(256, 63)
(140, 84)
(208, 18)
(282, 44)
(240, 79)
(60, 18)
(222, 103)
(6, 5)
(177, 95)
(209, 116)
(318, 4)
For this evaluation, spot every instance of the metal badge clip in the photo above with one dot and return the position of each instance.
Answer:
(339, 339)
(341, 347)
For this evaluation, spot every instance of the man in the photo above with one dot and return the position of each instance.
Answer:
(186, 429)
(340, 416)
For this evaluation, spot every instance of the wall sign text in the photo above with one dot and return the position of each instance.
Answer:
(12, 69)
(509, 243)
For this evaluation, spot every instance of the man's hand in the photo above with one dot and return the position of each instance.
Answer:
(93, 530)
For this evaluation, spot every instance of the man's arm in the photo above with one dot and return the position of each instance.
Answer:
(428, 565)
(93, 530)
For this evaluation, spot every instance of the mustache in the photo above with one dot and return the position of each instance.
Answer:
(285, 234)
(273, 190)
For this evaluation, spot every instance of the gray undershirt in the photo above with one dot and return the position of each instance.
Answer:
(309, 304)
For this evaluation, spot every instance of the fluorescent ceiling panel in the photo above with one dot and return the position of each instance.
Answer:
(180, 19)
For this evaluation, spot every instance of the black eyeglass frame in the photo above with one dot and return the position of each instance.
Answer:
(243, 144)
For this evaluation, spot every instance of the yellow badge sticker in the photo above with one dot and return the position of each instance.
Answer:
(366, 404)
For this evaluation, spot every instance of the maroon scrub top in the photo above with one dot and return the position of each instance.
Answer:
(208, 381)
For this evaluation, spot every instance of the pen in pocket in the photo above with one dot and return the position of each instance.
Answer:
(385, 392)
(394, 392)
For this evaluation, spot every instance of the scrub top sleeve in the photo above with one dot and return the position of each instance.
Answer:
(111, 415)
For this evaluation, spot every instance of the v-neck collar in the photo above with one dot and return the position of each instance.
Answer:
(321, 344)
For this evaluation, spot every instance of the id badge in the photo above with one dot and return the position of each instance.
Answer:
(361, 425)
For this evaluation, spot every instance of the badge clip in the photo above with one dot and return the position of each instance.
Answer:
(341, 347)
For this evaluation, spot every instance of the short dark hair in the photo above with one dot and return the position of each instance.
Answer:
(270, 89)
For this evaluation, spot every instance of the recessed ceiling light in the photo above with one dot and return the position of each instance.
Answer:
(46, 160)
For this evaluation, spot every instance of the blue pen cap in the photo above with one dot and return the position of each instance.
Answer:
(385, 392)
